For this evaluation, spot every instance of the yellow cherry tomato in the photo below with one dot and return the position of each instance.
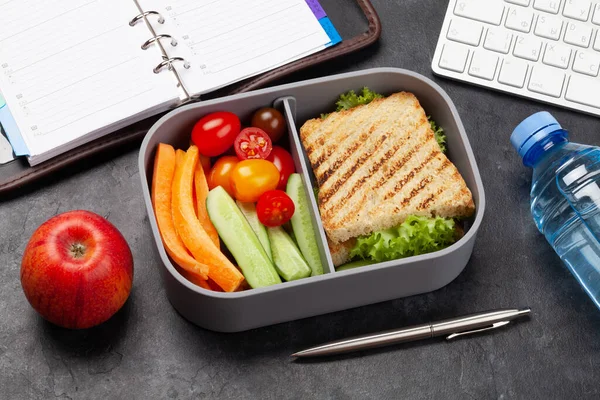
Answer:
(251, 178)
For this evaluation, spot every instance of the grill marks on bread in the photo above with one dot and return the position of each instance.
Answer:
(337, 129)
(379, 163)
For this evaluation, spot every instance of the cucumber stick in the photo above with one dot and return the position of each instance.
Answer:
(302, 225)
(354, 264)
(288, 259)
(240, 239)
(249, 211)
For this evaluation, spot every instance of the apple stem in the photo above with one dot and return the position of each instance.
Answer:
(77, 250)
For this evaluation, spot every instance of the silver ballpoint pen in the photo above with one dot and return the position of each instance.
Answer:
(454, 327)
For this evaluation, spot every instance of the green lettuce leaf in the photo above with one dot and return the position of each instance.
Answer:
(417, 235)
(440, 136)
(351, 99)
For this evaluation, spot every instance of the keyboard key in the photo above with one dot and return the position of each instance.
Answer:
(465, 31)
(519, 19)
(498, 39)
(577, 9)
(489, 11)
(557, 55)
(578, 34)
(551, 6)
(454, 57)
(548, 27)
(528, 47)
(597, 43)
(587, 63)
(513, 72)
(483, 65)
(596, 17)
(546, 80)
(583, 90)
(524, 3)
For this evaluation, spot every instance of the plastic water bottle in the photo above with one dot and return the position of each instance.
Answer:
(565, 195)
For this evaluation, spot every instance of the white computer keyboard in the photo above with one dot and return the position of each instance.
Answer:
(548, 50)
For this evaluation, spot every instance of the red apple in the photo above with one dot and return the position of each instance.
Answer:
(77, 270)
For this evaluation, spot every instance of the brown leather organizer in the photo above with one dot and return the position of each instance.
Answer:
(357, 22)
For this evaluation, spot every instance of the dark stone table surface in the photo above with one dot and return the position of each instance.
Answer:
(148, 351)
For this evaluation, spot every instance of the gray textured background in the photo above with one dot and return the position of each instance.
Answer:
(148, 351)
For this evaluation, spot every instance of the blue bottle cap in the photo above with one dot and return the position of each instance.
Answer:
(532, 130)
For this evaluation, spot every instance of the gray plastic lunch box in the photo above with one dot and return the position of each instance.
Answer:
(332, 291)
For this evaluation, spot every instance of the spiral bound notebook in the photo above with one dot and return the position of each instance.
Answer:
(72, 71)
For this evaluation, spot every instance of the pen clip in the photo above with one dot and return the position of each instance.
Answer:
(489, 328)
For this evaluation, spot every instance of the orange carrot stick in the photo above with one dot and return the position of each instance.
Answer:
(195, 238)
(196, 280)
(162, 181)
(179, 155)
(214, 286)
(201, 193)
(205, 161)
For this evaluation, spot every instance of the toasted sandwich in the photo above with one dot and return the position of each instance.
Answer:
(376, 165)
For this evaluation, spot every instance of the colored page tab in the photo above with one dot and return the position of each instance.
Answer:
(328, 27)
(12, 131)
(316, 8)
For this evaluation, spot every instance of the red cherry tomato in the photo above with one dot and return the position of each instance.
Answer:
(285, 164)
(271, 121)
(275, 208)
(252, 143)
(251, 178)
(215, 133)
(221, 172)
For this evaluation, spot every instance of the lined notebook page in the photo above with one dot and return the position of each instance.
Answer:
(230, 40)
(72, 70)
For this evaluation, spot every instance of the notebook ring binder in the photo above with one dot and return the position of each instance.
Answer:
(168, 62)
(153, 39)
(141, 16)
